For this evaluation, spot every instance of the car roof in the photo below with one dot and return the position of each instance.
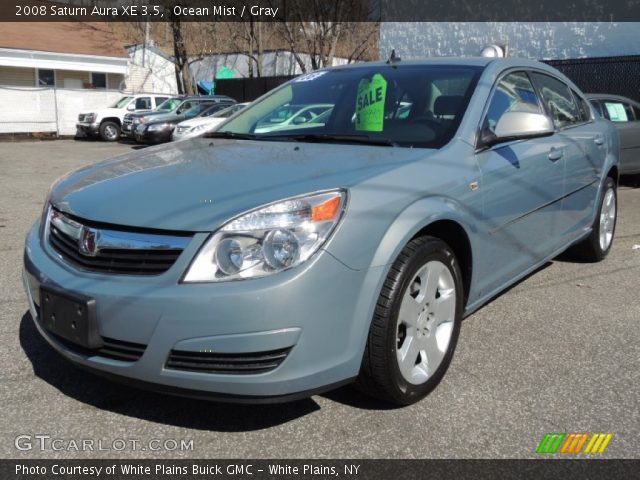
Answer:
(609, 96)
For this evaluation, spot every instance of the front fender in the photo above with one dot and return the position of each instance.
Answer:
(416, 217)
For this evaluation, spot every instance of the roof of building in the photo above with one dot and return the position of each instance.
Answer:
(150, 48)
(83, 38)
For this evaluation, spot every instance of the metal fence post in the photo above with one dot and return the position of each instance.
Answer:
(55, 107)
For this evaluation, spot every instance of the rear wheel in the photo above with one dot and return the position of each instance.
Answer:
(416, 324)
(109, 131)
(598, 244)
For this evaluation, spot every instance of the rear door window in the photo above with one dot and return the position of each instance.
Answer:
(143, 103)
(583, 107)
(558, 100)
(597, 106)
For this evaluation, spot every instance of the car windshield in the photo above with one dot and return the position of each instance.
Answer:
(197, 110)
(169, 105)
(122, 102)
(407, 105)
(227, 112)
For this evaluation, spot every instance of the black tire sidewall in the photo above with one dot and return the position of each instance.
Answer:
(431, 250)
(595, 236)
(103, 127)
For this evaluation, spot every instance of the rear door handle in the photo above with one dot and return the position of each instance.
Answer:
(599, 140)
(555, 154)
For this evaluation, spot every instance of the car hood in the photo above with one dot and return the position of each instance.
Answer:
(194, 122)
(107, 112)
(200, 184)
(155, 117)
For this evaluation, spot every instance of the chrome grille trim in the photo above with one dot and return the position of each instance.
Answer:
(112, 251)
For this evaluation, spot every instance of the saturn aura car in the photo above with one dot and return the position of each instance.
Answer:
(269, 266)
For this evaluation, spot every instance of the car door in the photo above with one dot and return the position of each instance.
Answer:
(584, 151)
(626, 119)
(522, 186)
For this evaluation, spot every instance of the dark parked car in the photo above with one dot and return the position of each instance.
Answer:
(173, 106)
(158, 131)
(625, 115)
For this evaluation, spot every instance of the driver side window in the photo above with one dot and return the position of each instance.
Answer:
(514, 93)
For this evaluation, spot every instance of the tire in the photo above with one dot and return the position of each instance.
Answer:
(405, 324)
(109, 131)
(598, 244)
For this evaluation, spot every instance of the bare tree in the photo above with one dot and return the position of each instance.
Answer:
(184, 78)
(323, 28)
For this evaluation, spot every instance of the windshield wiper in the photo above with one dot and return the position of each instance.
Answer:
(233, 135)
(328, 137)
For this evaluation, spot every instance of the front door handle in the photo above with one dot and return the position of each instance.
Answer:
(555, 154)
(599, 140)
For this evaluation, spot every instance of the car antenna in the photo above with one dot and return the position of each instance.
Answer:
(393, 58)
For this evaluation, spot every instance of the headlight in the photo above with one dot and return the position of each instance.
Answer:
(90, 118)
(269, 239)
(139, 119)
(197, 129)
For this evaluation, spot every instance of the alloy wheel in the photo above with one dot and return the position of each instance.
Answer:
(425, 322)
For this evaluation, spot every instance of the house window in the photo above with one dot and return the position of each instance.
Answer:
(99, 80)
(46, 78)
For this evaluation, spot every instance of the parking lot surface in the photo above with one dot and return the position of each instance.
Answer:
(558, 352)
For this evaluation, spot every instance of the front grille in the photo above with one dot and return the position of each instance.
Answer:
(226, 363)
(133, 262)
(113, 251)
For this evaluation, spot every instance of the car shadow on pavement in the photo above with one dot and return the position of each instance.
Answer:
(154, 407)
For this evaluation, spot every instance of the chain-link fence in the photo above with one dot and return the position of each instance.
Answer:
(613, 75)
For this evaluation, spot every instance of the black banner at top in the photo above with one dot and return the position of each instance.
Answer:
(321, 10)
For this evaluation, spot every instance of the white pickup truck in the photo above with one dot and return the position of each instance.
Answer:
(106, 122)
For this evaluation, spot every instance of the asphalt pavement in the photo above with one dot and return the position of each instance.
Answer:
(558, 352)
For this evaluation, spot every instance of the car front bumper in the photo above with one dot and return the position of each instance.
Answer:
(154, 136)
(320, 311)
(88, 128)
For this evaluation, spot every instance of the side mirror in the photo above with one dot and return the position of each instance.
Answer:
(519, 125)
(131, 107)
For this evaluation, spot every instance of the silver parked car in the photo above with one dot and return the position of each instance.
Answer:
(268, 266)
(625, 115)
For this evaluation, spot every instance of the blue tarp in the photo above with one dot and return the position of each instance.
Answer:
(205, 87)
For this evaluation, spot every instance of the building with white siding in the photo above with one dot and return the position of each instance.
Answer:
(150, 70)
(61, 55)
(52, 71)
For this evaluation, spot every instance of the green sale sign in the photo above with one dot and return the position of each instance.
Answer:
(370, 104)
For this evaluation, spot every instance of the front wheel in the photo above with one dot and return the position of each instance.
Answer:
(109, 131)
(598, 244)
(416, 324)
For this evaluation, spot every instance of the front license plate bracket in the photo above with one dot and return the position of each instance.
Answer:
(70, 316)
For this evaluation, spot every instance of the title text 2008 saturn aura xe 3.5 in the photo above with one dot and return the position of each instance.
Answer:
(345, 246)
